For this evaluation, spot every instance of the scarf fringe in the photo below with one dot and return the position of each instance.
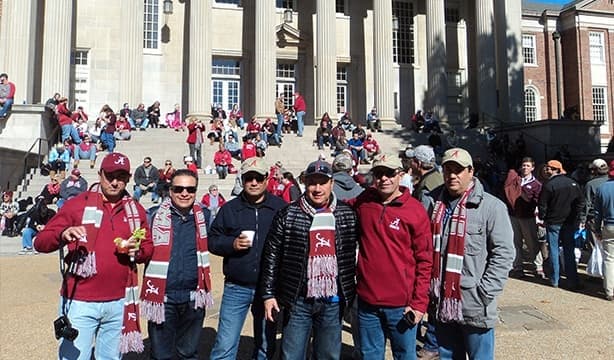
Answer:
(131, 342)
(88, 267)
(451, 309)
(153, 311)
(435, 287)
(322, 275)
(202, 299)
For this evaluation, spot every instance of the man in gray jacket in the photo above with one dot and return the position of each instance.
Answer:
(345, 188)
(474, 252)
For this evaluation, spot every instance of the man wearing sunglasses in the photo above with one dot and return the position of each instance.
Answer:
(394, 263)
(176, 287)
(100, 287)
(309, 267)
(238, 234)
(474, 252)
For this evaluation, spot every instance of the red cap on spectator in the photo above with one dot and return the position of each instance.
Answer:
(115, 162)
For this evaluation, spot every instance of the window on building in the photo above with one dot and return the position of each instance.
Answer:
(225, 82)
(233, 2)
(530, 105)
(151, 24)
(81, 77)
(528, 49)
(284, 4)
(286, 82)
(452, 15)
(340, 6)
(403, 33)
(600, 113)
(342, 89)
(597, 47)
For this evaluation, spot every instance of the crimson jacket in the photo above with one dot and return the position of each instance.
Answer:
(299, 104)
(222, 158)
(63, 114)
(192, 129)
(111, 278)
(396, 251)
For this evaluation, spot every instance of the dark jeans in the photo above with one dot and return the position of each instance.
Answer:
(317, 316)
(561, 235)
(178, 334)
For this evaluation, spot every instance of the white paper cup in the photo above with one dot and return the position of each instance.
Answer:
(250, 235)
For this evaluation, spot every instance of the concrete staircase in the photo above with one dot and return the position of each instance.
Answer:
(166, 144)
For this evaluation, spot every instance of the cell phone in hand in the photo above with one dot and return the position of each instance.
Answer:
(410, 318)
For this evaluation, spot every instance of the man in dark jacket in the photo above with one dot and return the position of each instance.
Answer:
(72, 186)
(177, 282)
(146, 180)
(395, 248)
(308, 267)
(344, 186)
(561, 205)
(238, 234)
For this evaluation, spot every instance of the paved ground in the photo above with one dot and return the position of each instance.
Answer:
(537, 322)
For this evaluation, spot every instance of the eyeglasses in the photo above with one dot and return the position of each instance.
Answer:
(249, 177)
(179, 189)
(146, 162)
(387, 172)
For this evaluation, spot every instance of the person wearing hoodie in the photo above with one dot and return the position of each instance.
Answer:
(345, 188)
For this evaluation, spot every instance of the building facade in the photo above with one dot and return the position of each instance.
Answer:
(568, 57)
(460, 59)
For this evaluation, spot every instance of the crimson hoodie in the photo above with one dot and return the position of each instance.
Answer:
(396, 251)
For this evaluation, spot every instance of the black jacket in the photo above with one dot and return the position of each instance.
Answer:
(561, 201)
(242, 267)
(286, 251)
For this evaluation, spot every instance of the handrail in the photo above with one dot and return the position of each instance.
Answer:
(38, 142)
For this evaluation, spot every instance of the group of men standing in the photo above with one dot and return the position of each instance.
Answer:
(295, 266)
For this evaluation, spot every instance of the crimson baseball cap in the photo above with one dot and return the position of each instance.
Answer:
(115, 162)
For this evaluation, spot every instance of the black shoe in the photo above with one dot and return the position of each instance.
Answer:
(517, 274)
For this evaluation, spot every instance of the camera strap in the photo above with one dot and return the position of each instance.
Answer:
(64, 290)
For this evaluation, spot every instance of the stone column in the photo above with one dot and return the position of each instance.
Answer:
(57, 48)
(131, 53)
(382, 55)
(437, 58)
(17, 46)
(265, 59)
(326, 59)
(485, 41)
(199, 97)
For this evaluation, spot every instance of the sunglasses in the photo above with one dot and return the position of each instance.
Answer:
(249, 177)
(179, 189)
(387, 172)
(319, 169)
(118, 175)
(168, 164)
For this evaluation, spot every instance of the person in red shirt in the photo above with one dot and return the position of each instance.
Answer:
(189, 163)
(249, 148)
(291, 190)
(7, 94)
(253, 127)
(222, 159)
(195, 138)
(101, 277)
(371, 146)
(65, 121)
(299, 108)
(396, 245)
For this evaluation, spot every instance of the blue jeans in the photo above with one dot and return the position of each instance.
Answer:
(69, 131)
(430, 337)
(456, 341)
(222, 171)
(27, 235)
(83, 154)
(236, 302)
(101, 321)
(376, 323)
(179, 333)
(5, 107)
(138, 192)
(324, 319)
(108, 140)
(143, 125)
(300, 122)
(280, 124)
(564, 234)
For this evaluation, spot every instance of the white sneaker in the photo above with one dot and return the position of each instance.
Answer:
(24, 251)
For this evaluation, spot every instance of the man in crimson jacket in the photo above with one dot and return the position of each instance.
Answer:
(395, 246)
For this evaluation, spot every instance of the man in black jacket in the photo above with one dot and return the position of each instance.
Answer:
(146, 180)
(238, 234)
(561, 205)
(309, 266)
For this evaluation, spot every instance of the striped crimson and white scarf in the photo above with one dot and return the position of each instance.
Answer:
(449, 308)
(154, 281)
(322, 262)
